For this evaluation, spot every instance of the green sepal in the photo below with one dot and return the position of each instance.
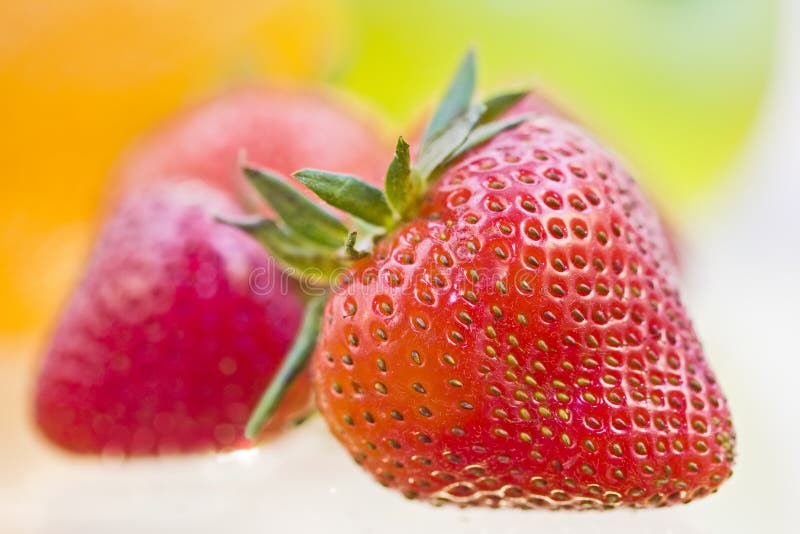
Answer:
(400, 186)
(294, 362)
(483, 133)
(306, 260)
(499, 104)
(267, 232)
(456, 100)
(310, 237)
(440, 148)
(298, 213)
(350, 247)
(349, 194)
(261, 227)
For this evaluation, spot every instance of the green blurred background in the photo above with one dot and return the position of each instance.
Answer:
(673, 85)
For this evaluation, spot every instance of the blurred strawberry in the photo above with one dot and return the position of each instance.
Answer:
(277, 129)
(165, 346)
(172, 335)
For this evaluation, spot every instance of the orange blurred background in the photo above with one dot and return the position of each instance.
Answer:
(80, 79)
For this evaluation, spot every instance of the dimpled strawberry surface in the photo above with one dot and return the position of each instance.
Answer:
(522, 342)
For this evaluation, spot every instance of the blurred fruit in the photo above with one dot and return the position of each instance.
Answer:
(164, 326)
(167, 344)
(276, 128)
(674, 85)
(79, 79)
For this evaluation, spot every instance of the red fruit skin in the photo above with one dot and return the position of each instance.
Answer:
(164, 347)
(522, 343)
(280, 130)
(534, 103)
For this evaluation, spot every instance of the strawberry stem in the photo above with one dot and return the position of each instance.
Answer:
(292, 365)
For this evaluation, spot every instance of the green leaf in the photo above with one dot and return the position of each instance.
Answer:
(292, 251)
(293, 364)
(257, 226)
(298, 213)
(456, 100)
(483, 133)
(399, 183)
(440, 147)
(349, 194)
(499, 104)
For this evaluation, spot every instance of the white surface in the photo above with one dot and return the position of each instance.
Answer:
(743, 287)
(305, 483)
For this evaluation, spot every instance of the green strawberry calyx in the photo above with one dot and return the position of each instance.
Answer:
(315, 245)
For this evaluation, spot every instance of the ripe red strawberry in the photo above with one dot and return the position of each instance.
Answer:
(164, 346)
(279, 129)
(518, 340)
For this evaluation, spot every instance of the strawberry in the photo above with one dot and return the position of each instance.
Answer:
(164, 346)
(279, 129)
(515, 337)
